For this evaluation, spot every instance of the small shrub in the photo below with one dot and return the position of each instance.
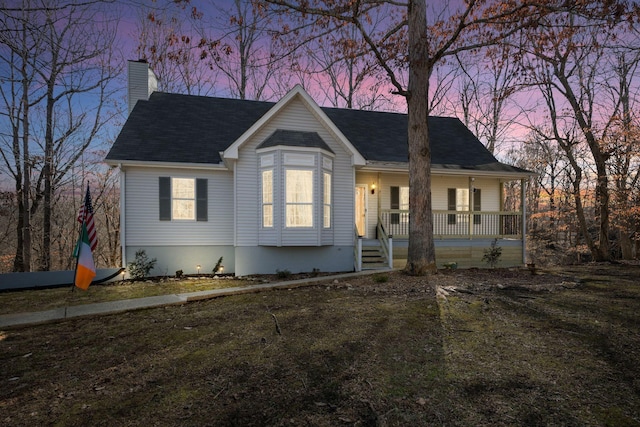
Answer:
(140, 267)
(216, 268)
(283, 274)
(380, 278)
(492, 254)
(179, 274)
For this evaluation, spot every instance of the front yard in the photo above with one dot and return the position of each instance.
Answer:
(476, 347)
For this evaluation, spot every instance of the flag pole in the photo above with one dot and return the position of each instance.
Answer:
(76, 250)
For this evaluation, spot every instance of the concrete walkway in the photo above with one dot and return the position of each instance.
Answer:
(56, 314)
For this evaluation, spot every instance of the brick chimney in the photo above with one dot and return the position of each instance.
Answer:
(142, 82)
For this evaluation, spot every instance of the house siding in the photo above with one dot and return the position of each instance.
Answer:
(268, 260)
(143, 226)
(293, 116)
(171, 258)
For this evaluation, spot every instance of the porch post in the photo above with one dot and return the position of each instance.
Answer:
(359, 254)
(471, 202)
(523, 207)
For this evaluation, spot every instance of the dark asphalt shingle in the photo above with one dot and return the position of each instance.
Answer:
(294, 138)
(195, 129)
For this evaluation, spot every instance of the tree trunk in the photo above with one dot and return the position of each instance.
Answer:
(18, 260)
(421, 259)
(26, 166)
(45, 258)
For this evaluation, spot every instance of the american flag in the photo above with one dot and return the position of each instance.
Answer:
(86, 215)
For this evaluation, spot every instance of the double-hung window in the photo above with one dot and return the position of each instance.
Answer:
(400, 201)
(458, 200)
(326, 212)
(267, 198)
(183, 199)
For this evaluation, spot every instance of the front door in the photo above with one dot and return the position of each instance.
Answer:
(361, 210)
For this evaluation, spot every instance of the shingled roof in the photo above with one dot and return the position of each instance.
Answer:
(195, 129)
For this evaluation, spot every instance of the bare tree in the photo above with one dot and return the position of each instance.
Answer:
(21, 44)
(486, 87)
(175, 52)
(62, 52)
(240, 47)
(622, 142)
(566, 58)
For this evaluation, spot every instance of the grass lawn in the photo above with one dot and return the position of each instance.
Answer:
(46, 299)
(476, 347)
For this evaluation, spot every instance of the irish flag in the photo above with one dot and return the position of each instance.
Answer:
(86, 269)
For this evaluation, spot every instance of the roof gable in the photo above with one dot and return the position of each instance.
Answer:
(296, 93)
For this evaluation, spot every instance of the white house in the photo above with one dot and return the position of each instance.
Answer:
(294, 186)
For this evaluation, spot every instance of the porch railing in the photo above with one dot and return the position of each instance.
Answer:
(458, 224)
(386, 243)
(357, 250)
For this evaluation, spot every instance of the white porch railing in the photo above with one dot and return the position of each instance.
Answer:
(386, 243)
(458, 224)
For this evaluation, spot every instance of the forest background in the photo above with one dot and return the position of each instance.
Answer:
(558, 96)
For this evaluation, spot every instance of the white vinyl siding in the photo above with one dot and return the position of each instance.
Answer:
(294, 116)
(143, 226)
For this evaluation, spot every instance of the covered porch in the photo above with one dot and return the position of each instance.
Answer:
(470, 210)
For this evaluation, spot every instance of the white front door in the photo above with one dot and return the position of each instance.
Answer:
(361, 210)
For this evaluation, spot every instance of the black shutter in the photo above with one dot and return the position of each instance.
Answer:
(201, 199)
(451, 205)
(477, 205)
(395, 204)
(165, 198)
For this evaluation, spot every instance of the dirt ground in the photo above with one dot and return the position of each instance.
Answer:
(463, 347)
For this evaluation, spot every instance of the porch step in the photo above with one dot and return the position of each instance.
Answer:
(373, 258)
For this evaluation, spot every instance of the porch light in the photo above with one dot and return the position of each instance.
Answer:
(373, 188)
